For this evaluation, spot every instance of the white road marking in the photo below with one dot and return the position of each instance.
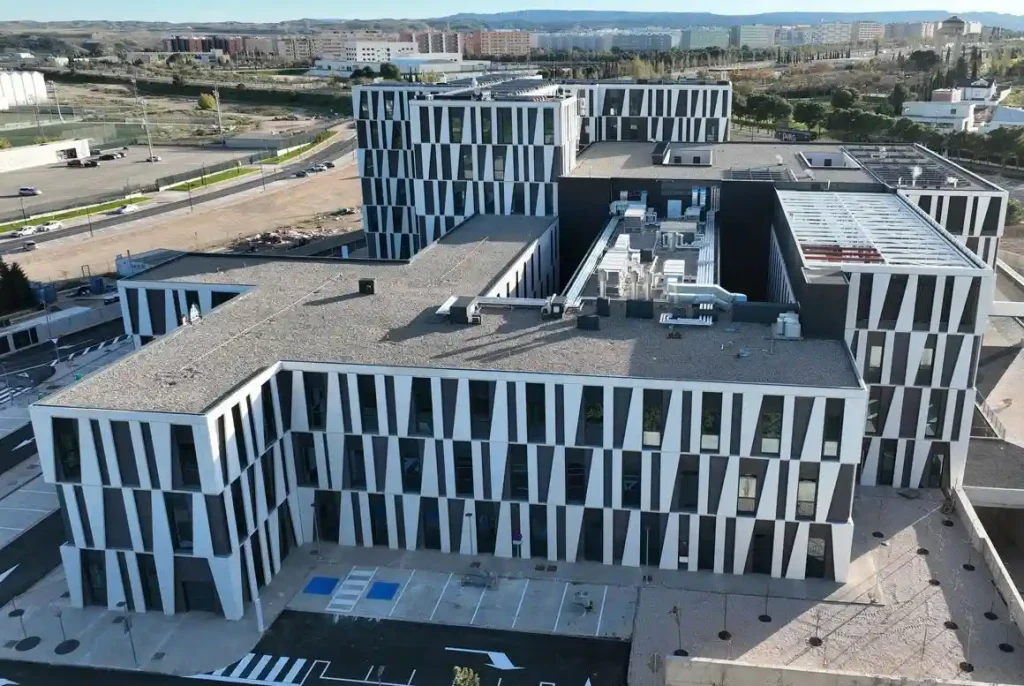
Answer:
(401, 592)
(294, 671)
(478, 602)
(600, 615)
(520, 606)
(441, 596)
(411, 676)
(242, 664)
(559, 615)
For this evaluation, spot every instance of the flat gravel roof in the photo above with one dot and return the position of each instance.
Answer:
(613, 159)
(309, 310)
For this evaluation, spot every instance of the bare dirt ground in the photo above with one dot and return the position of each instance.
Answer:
(211, 226)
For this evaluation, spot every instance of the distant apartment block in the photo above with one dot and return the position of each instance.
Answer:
(699, 38)
(591, 41)
(375, 52)
(867, 31)
(829, 34)
(946, 116)
(434, 41)
(498, 44)
(646, 41)
(910, 31)
(231, 45)
(754, 36)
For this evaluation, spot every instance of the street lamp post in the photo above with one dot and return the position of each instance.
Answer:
(24, 214)
(145, 126)
(128, 630)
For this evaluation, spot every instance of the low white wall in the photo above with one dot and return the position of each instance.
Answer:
(28, 156)
(981, 543)
(683, 671)
(70, 324)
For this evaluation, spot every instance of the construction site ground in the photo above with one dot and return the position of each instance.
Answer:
(210, 226)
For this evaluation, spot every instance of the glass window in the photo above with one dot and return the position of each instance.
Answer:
(806, 493)
(871, 425)
(833, 430)
(463, 454)
(422, 407)
(467, 162)
(499, 164)
(613, 100)
(631, 471)
(687, 490)
(355, 463)
(504, 126)
(653, 417)
(480, 402)
(711, 421)
(549, 127)
(367, 388)
(518, 473)
(747, 500)
(771, 424)
(305, 459)
(926, 366)
(485, 125)
(535, 413)
(389, 105)
(316, 399)
(412, 464)
(66, 448)
(456, 116)
(575, 477)
(180, 507)
(188, 461)
(936, 413)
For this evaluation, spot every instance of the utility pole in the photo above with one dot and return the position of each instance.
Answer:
(60, 115)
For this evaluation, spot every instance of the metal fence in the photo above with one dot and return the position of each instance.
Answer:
(208, 169)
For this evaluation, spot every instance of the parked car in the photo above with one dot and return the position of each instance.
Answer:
(25, 231)
(154, 158)
(51, 226)
(126, 209)
(110, 156)
(301, 174)
(347, 211)
(28, 245)
(91, 163)
(312, 170)
(111, 298)
(329, 165)
(29, 190)
(75, 163)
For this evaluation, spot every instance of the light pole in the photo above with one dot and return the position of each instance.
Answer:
(472, 534)
(128, 630)
(145, 126)
(24, 214)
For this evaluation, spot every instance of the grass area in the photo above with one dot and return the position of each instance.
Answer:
(71, 214)
(211, 179)
(280, 159)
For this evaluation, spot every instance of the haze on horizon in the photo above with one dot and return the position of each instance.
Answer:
(185, 11)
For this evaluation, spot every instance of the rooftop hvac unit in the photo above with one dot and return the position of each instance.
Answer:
(367, 286)
(588, 322)
(554, 308)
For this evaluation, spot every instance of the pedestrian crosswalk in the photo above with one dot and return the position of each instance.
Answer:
(351, 589)
(261, 670)
(9, 394)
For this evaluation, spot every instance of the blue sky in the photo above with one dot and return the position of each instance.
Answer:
(276, 10)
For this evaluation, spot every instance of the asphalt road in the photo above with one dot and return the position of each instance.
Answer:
(331, 152)
(324, 649)
(16, 447)
(63, 185)
(17, 673)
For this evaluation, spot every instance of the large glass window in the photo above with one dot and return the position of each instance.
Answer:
(463, 454)
(926, 366)
(456, 117)
(631, 471)
(367, 388)
(535, 413)
(711, 421)
(687, 490)
(499, 164)
(806, 494)
(549, 127)
(305, 459)
(480, 408)
(466, 165)
(412, 464)
(936, 414)
(518, 473)
(872, 424)
(188, 461)
(180, 510)
(746, 502)
(613, 101)
(316, 399)
(833, 431)
(504, 126)
(66, 449)
(771, 425)
(355, 463)
(485, 125)
(422, 407)
(575, 477)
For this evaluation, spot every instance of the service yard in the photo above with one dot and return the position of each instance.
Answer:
(60, 183)
(211, 225)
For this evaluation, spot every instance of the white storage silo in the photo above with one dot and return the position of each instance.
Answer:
(7, 88)
(18, 81)
(39, 87)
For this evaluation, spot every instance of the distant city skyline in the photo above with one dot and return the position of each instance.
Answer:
(184, 11)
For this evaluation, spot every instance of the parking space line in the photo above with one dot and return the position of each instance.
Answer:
(411, 676)
(441, 597)
(26, 509)
(12, 528)
(520, 606)
(472, 619)
(401, 593)
(559, 615)
(600, 615)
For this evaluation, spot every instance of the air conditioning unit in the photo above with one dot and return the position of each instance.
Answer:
(554, 308)
(367, 286)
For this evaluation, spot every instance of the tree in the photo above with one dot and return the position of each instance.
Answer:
(4, 143)
(845, 98)
(810, 113)
(390, 72)
(207, 101)
(922, 60)
(15, 289)
(1014, 212)
(464, 676)
(899, 95)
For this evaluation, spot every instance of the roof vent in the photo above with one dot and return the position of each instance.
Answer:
(554, 308)
(367, 286)
(465, 310)
(588, 322)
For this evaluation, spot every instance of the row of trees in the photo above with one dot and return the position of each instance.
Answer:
(15, 289)
(848, 117)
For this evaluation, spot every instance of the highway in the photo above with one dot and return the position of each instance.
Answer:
(332, 151)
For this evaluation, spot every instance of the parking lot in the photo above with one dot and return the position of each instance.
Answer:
(63, 184)
(469, 599)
